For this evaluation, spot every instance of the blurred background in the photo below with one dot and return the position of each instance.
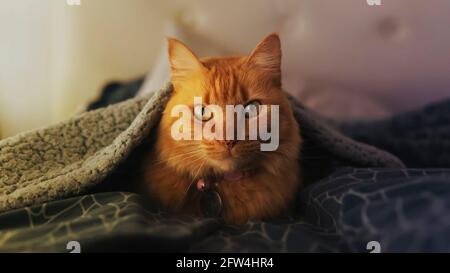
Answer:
(345, 59)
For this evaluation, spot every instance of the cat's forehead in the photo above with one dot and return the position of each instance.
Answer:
(224, 85)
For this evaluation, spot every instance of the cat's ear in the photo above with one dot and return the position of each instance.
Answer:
(267, 55)
(183, 61)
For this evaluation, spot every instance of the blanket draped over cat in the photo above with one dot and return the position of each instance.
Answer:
(74, 156)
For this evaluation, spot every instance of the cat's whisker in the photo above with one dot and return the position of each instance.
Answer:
(166, 161)
(179, 155)
(199, 169)
(176, 156)
(182, 146)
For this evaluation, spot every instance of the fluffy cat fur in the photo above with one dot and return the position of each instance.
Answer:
(271, 179)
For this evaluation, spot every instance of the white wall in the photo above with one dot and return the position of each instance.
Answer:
(340, 57)
(54, 57)
(25, 62)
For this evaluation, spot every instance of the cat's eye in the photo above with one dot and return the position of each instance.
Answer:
(202, 113)
(251, 109)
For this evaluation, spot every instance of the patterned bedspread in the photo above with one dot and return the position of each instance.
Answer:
(402, 210)
(351, 210)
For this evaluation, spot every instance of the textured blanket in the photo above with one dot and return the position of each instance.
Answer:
(50, 178)
(71, 157)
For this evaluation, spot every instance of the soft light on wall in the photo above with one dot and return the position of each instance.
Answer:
(54, 57)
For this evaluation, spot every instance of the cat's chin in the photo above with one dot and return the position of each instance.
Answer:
(231, 168)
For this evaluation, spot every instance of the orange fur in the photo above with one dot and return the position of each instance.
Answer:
(173, 166)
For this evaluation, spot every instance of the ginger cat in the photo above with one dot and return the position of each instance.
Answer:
(247, 183)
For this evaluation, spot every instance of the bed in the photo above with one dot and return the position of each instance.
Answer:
(349, 208)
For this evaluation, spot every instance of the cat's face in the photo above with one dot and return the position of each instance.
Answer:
(248, 82)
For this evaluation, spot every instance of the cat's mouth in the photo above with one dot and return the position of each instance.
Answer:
(233, 175)
(232, 168)
(232, 164)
